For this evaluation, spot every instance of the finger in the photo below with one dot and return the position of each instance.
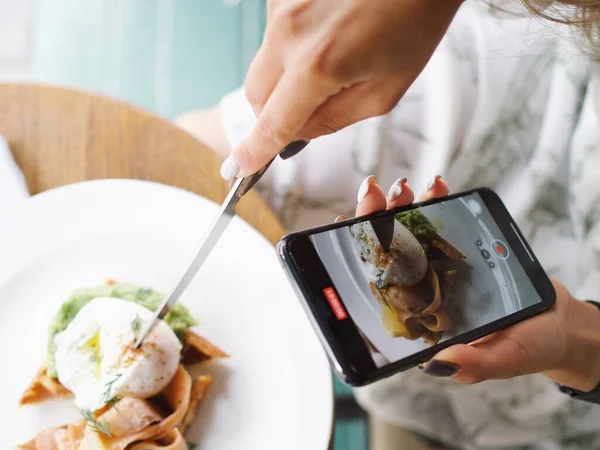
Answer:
(399, 194)
(289, 106)
(340, 218)
(485, 338)
(481, 340)
(263, 75)
(357, 102)
(370, 197)
(436, 188)
(494, 359)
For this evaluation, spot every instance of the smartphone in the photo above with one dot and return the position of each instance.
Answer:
(386, 292)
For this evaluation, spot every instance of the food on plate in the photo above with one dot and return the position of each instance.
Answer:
(96, 358)
(142, 398)
(130, 423)
(179, 319)
(412, 294)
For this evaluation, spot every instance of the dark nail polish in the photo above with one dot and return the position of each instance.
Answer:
(293, 149)
(441, 369)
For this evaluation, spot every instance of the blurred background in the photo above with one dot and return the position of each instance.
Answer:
(166, 56)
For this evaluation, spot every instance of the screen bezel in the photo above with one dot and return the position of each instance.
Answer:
(345, 343)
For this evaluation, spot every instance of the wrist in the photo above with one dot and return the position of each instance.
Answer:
(580, 367)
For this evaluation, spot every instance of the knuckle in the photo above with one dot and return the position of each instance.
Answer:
(326, 127)
(250, 93)
(267, 132)
(326, 62)
(254, 98)
(288, 19)
(322, 63)
(519, 360)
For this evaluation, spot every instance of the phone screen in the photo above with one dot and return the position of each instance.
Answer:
(420, 277)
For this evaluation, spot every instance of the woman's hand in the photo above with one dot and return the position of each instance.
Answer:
(562, 343)
(326, 64)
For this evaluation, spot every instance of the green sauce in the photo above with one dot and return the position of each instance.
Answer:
(418, 225)
(179, 319)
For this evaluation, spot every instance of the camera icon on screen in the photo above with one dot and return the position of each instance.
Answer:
(497, 247)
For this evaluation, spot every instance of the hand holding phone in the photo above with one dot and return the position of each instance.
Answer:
(376, 316)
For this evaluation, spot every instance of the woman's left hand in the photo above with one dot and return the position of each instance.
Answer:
(563, 343)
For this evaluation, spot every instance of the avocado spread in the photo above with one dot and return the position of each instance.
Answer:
(418, 225)
(179, 319)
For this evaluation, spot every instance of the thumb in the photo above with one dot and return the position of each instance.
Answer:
(494, 359)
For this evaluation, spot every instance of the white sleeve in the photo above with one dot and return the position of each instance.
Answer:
(585, 194)
(237, 116)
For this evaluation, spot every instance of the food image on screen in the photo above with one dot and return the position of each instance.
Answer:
(446, 270)
(412, 294)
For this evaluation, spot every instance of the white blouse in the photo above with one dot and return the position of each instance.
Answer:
(509, 102)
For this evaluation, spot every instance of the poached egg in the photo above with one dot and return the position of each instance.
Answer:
(405, 264)
(96, 359)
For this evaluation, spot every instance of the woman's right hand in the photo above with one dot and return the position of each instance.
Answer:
(326, 64)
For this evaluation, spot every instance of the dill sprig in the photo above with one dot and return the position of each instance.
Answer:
(99, 426)
(106, 395)
(136, 325)
(380, 283)
(113, 401)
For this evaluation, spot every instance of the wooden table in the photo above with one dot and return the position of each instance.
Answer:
(60, 136)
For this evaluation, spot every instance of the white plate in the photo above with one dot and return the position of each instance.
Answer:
(274, 392)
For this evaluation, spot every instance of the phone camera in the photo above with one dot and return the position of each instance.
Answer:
(478, 242)
(485, 254)
(491, 264)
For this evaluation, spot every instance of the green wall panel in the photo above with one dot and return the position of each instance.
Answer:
(168, 56)
(206, 53)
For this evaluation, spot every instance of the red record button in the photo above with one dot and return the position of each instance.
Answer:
(500, 249)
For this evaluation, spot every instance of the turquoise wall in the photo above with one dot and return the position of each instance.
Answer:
(168, 56)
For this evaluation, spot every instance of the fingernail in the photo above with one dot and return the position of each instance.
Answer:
(433, 182)
(396, 189)
(293, 149)
(340, 218)
(363, 190)
(229, 168)
(438, 368)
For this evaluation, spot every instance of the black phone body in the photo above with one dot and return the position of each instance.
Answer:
(379, 311)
